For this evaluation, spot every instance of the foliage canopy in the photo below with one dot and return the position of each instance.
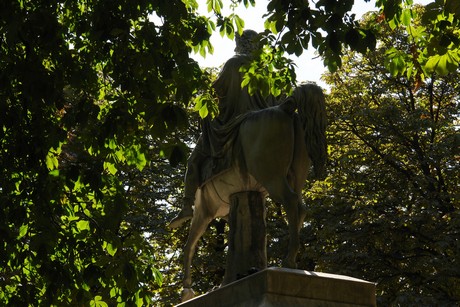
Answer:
(394, 178)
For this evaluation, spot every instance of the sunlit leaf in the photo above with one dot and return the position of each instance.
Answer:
(110, 167)
(83, 225)
(443, 64)
(23, 231)
(158, 277)
(98, 302)
(111, 249)
(203, 111)
(406, 17)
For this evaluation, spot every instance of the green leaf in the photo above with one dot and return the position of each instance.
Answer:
(113, 292)
(98, 302)
(51, 159)
(432, 63)
(192, 4)
(111, 144)
(23, 231)
(110, 167)
(83, 225)
(395, 61)
(230, 31)
(209, 4)
(215, 5)
(417, 32)
(239, 23)
(406, 17)
(54, 173)
(393, 23)
(443, 64)
(271, 25)
(246, 80)
(111, 249)
(249, 2)
(134, 156)
(392, 9)
(158, 277)
(204, 111)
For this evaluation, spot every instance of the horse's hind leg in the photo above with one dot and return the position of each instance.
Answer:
(280, 191)
(197, 228)
(294, 222)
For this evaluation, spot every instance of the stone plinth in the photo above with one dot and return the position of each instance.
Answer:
(287, 287)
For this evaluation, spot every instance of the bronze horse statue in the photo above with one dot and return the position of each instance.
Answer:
(276, 147)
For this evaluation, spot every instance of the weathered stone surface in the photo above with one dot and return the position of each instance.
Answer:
(287, 287)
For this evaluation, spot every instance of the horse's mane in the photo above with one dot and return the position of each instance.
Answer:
(311, 107)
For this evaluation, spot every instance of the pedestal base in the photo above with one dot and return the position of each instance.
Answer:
(287, 287)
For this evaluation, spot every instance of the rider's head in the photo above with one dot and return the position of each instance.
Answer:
(247, 42)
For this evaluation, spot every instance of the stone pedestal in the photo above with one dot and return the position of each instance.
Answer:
(247, 237)
(287, 287)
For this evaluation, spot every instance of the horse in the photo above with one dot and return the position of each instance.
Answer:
(273, 152)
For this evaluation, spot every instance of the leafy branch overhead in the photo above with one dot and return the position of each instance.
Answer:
(329, 27)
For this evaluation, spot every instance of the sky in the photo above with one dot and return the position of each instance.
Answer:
(309, 65)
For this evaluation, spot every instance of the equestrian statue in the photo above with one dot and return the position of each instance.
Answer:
(258, 144)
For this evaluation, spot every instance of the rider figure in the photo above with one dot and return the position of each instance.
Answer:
(233, 101)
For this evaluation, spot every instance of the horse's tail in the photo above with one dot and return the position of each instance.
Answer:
(309, 100)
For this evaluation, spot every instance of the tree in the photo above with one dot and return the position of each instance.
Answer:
(85, 81)
(86, 88)
(389, 211)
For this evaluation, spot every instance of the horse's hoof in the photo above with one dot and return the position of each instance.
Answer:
(187, 294)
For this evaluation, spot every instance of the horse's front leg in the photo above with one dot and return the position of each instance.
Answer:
(197, 228)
